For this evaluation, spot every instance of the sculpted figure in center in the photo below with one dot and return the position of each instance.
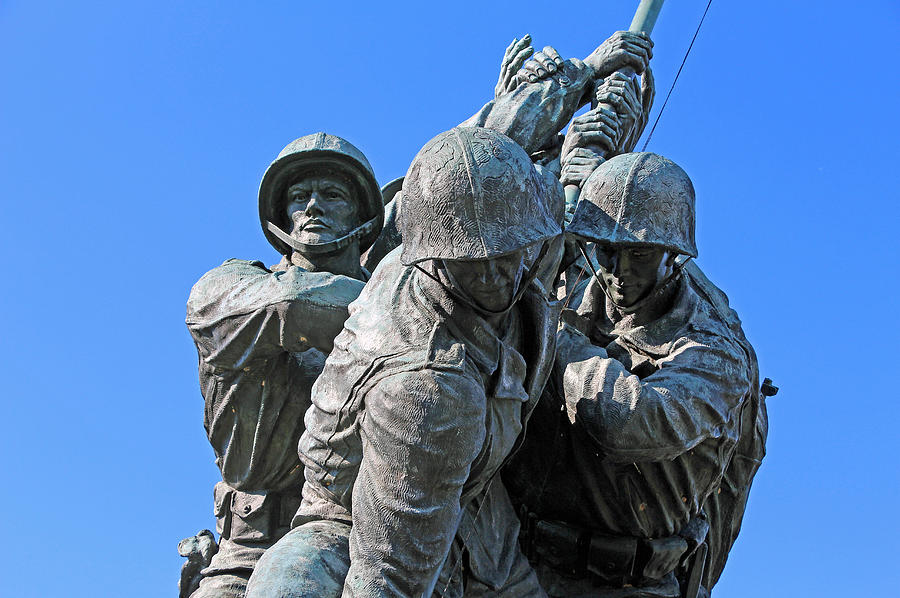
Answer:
(427, 390)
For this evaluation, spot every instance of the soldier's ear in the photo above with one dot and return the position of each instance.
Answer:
(670, 259)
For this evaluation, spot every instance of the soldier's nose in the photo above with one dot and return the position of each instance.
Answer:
(314, 204)
(488, 273)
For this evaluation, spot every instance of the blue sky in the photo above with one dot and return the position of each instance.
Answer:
(132, 140)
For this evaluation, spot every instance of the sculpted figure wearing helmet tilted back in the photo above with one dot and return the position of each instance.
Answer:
(262, 334)
(633, 479)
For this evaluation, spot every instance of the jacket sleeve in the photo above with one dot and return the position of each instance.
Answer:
(240, 313)
(533, 113)
(694, 395)
(421, 433)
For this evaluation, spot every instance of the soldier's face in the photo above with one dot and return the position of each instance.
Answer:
(320, 209)
(631, 273)
(491, 284)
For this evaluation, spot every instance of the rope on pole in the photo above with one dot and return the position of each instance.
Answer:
(674, 81)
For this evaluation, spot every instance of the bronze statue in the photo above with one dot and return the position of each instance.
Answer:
(636, 468)
(427, 390)
(637, 465)
(262, 334)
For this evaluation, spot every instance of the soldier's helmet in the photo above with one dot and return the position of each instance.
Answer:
(473, 193)
(637, 199)
(310, 156)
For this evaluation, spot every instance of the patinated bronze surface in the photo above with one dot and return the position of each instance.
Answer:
(262, 335)
(652, 424)
(409, 394)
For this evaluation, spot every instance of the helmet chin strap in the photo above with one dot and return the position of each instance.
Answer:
(680, 261)
(327, 247)
(526, 280)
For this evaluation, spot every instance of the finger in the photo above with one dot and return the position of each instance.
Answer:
(632, 98)
(582, 127)
(596, 117)
(553, 55)
(582, 162)
(637, 51)
(596, 129)
(519, 44)
(635, 57)
(640, 38)
(609, 94)
(598, 126)
(546, 63)
(606, 111)
(583, 157)
(617, 104)
(568, 177)
(593, 139)
(617, 87)
(534, 67)
(588, 137)
(509, 49)
(617, 76)
(583, 152)
(636, 46)
(643, 40)
(519, 59)
(526, 75)
(629, 106)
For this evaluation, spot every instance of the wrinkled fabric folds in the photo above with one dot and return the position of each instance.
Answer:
(417, 408)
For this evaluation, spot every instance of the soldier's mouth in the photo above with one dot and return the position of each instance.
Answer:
(314, 225)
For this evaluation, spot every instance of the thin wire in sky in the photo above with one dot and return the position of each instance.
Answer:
(656, 122)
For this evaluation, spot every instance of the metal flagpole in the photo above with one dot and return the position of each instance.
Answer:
(643, 21)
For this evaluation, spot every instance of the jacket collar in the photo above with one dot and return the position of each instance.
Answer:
(537, 318)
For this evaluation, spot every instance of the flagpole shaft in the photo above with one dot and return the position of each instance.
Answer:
(644, 20)
(645, 16)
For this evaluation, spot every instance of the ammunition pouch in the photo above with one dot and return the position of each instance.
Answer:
(253, 516)
(615, 561)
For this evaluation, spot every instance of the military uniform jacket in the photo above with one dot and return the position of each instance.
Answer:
(647, 421)
(418, 406)
(261, 337)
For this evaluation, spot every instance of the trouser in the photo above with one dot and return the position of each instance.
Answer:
(230, 569)
(248, 525)
(312, 561)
